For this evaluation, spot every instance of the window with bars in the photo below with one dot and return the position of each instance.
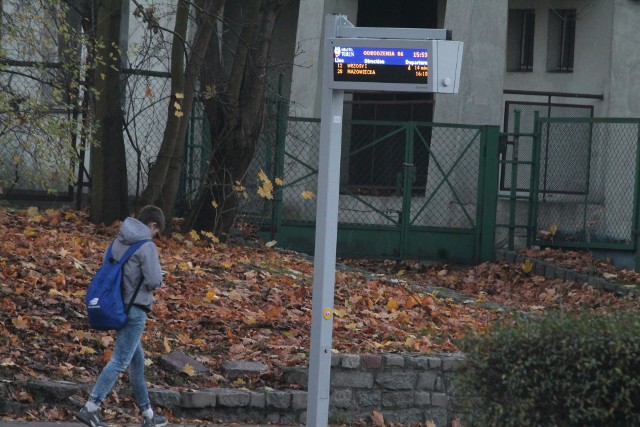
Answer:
(561, 40)
(520, 38)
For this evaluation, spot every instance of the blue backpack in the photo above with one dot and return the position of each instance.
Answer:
(105, 307)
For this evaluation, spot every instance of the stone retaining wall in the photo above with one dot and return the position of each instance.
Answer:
(403, 388)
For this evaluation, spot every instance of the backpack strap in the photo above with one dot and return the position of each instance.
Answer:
(132, 248)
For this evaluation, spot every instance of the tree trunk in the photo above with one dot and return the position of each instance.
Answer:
(109, 187)
(169, 164)
(236, 121)
(158, 170)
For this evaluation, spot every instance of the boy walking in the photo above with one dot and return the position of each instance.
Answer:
(144, 265)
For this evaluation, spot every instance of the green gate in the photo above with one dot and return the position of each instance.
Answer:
(409, 190)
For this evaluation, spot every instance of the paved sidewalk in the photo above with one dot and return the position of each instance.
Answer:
(68, 424)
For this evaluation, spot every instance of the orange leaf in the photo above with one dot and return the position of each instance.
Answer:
(20, 322)
(377, 419)
(392, 304)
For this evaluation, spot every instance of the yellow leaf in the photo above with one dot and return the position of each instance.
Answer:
(177, 106)
(527, 266)
(392, 304)
(430, 424)
(179, 95)
(271, 243)
(226, 264)
(185, 266)
(308, 195)
(265, 193)
(211, 296)
(188, 369)
(20, 322)
(32, 211)
(339, 312)
(214, 204)
(250, 320)
(194, 235)
(210, 92)
(17, 160)
(553, 229)
(30, 232)
(167, 346)
(278, 181)
(86, 350)
(179, 113)
(103, 76)
(263, 176)
(211, 236)
(148, 92)
(351, 326)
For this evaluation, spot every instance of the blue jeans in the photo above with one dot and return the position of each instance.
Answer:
(127, 353)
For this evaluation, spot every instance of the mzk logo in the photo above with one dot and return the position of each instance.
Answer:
(94, 301)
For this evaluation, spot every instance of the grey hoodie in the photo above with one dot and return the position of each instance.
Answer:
(144, 262)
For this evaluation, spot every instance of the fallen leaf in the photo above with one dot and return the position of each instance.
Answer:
(377, 419)
(189, 370)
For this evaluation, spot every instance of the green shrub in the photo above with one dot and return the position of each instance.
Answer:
(557, 370)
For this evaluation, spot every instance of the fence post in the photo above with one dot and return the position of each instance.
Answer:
(407, 180)
(278, 167)
(514, 180)
(489, 192)
(636, 205)
(535, 178)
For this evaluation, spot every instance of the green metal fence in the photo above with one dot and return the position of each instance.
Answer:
(407, 189)
(572, 182)
(593, 173)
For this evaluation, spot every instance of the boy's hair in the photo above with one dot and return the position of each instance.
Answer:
(151, 213)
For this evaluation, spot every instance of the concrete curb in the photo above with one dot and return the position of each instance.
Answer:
(551, 271)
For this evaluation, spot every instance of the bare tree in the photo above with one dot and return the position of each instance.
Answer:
(164, 176)
(235, 112)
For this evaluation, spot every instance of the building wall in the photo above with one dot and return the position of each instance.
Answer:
(624, 84)
(592, 60)
(307, 75)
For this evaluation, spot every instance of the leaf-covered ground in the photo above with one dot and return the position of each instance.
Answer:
(249, 301)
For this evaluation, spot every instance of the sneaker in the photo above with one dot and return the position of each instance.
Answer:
(92, 419)
(157, 421)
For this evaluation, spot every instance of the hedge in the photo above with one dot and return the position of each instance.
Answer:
(557, 370)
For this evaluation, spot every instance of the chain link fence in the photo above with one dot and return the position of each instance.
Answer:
(37, 139)
(382, 164)
(593, 173)
(522, 148)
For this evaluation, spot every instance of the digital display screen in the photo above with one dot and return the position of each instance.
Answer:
(380, 65)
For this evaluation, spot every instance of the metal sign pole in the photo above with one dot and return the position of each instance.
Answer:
(325, 244)
(372, 59)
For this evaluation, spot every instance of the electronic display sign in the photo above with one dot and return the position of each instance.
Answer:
(380, 65)
(396, 65)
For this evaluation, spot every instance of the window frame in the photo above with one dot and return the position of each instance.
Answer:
(524, 26)
(561, 40)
